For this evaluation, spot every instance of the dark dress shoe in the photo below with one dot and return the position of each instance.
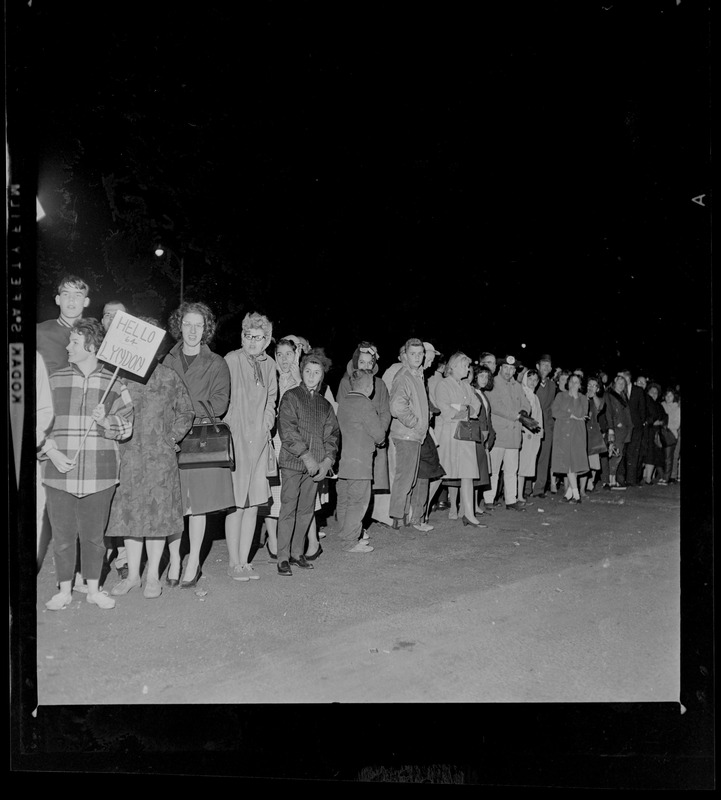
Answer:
(514, 507)
(538, 494)
(466, 521)
(284, 568)
(396, 526)
(442, 506)
(189, 584)
(301, 562)
(315, 555)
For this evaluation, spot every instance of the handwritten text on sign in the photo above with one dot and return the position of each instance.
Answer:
(130, 343)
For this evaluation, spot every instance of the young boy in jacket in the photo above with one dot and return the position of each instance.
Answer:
(308, 430)
(361, 430)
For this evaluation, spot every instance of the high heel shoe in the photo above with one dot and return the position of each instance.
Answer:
(466, 521)
(189, 584)
(172, 582)
(315, 555)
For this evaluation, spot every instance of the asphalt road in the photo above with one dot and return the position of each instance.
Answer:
(560, 603)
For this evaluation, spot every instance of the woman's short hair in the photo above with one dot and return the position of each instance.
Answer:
(655, 386)
(581, 381)
(361, 346)
(360, 378)
(316, 356)
(92, 330)
(289, 342)
(673, 392)
(477, 370)
(456, 358)
(257, 321)
(175, 321)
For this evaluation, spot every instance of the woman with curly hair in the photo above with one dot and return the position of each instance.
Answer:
(251, 417)
(569, 455)
(207, 379)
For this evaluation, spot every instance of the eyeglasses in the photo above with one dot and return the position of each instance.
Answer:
(193, 325)
(249, 337)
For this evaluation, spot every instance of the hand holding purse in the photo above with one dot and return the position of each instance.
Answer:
(468, 430)
(208, 444)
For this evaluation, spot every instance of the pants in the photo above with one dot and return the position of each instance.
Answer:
(628, 471)
(419, 498)
(353, 498)
(508, 458)
(407, 459)
(544, 461)
(297, 506)
(74, 517)
(669, 453)
(614, 462)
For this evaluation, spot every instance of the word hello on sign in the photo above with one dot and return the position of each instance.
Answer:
(130, 343)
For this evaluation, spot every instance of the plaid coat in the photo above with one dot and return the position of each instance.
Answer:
(74, 398)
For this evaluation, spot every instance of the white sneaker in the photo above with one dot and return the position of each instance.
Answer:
(361, 547)
(59, 601)
(237, 573)
(321, 534)
(101, 600)
(423, 526)
(250, 573)
(365, 536)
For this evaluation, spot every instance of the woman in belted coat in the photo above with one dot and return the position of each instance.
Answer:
(207, 379)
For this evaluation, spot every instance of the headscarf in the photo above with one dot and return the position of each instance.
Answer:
(536, 411)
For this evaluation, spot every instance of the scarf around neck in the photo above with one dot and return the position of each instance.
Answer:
(256, 366)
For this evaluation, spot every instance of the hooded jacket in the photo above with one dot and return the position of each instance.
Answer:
(381, 399)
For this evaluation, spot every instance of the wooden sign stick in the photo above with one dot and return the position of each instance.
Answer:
(102, 400)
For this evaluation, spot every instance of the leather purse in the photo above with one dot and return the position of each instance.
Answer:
(667, 437)
(271, 470)
(208, 444)
(468, 430)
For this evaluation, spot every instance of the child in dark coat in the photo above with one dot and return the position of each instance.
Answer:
(361, 430)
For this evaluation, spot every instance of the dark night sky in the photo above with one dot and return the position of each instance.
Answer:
(478, 180)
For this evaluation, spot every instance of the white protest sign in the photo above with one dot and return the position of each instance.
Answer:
(130, 343)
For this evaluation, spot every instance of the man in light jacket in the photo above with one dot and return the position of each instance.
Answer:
(507, 400)
(409, 409)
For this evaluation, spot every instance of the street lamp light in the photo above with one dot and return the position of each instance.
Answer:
(160, 251)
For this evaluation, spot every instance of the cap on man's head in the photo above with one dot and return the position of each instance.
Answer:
(429, 348)
(545, 357)
(508, 360)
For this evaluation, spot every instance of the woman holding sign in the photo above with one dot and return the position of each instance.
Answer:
(251, 417)
(147, 506)
(207, 379)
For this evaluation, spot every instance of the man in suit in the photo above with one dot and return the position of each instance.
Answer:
(628, 469)
(546, 392)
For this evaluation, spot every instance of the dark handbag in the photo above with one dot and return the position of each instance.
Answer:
(528, 422)
(668, 438)
(208, 444)
(469, 430)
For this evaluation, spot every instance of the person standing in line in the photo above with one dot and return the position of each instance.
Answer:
(52, 337)
(43, 421)
(147, 507)
(483, 383)
(530, 442)
(507, 401)
(628, 473)
(672, 407)
(207, 378)
(409, 409)
(251, 418)
(287, 355)
(620, 427)
(653, 456)
(457, 402)
(596, 442)
(82, 471)
(570, 455)
(546, 393)
(361, 431)
(488, 360)
(309, 433)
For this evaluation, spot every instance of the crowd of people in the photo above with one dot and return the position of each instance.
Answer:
(428, 434)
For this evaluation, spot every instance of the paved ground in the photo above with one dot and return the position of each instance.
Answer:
(560, 603)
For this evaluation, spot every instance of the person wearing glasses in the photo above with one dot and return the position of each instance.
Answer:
(251, 417)
(207, 378)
